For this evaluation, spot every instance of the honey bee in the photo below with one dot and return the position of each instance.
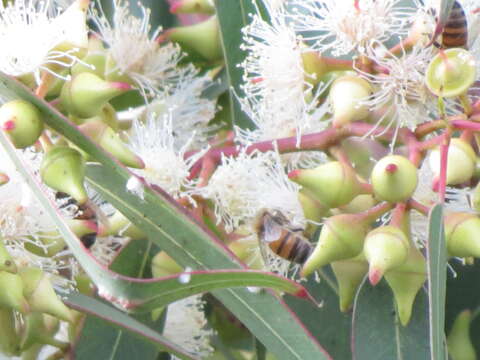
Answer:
(455, 32)
(282, 238)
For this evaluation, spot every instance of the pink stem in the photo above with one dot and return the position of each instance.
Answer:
(442, 181)
(466, 125)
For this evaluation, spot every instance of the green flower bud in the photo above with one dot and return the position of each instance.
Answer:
(21, 122)
(93, 63)
(203, 38)
(164, 265)
(192, 7)
(104, 136)
(459, 343)
(333, 184)
(40, 294)
(52, 240)
(349, 274)
(6, 260)
(451, 72)
(342, 237)
(118, 224)
(9, 339)
(11, 292)
(249, 252)
(40, 328)
(312, 209)
(461, 234)
(316, 66)
(360, 203)
(107, 115)
(346, 96)
(63, 169)
(461, 162)
(394, 178)
(385, 248)
(405, 281)
(86, 94)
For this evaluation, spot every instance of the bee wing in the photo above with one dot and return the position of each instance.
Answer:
(272, 230)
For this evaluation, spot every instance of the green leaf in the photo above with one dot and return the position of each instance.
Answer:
(378, 334)
(98, 309)
(232, 17)
(187, 242)
(330, 326)
(437, 280)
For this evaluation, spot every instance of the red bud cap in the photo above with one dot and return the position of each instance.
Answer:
(459, 343)
(342, 237)
(394, 178)
(21, 122)
(385, 248)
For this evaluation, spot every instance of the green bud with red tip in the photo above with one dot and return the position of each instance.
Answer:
(349, 274)
(394, 178)
(332, 184)
(347, 96)
(21, 122)
(9, 339)
(341, 237)
(451, 72)
(459, 343)
(40, 294)
(461, 162)
(462, 234)
(103, 135)
(405, 281)
(192, 7)
(164, 265)
(86, 94)
(11, 292)
(385, 248)
(63, 169)
(203, 38)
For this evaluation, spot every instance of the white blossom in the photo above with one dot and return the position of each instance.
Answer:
(341, 27)
(137, 53)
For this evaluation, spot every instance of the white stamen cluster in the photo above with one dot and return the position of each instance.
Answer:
(136, 53)
(244, 186)
(341, 27)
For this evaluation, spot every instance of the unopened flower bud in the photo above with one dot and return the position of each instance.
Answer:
(316, 66)
(346, 96)
(451, 72)
(405, 281)
(6, 260)
(333, 184)
(360, 203)
(107, 115)
(394, 178)
(40, 295)
(63, 169)
(39, 328)
(164, 265)
(461, 162)
(312, 209)
(349, 274)
(342, 237)
(249, 252)
(93, 63)
(9, 340)
(118, 224)
(385, 248)
(461, 234)
(11, 292)
(21, 122)
(203, 38)
(104, 136)
(459, 343)
(192, 7)
(86, 94)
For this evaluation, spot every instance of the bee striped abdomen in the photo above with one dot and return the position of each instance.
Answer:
(455, 33)
(292, 247)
